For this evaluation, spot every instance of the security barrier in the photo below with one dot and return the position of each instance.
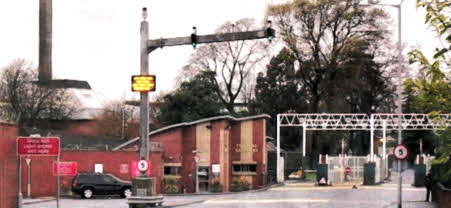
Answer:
(369, 173)
(420, 173)
(322, 172)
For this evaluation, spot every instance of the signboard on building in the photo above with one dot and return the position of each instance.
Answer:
(65, 168)
(39, 146)
(155, 147)
(98, 168)
(123, 168)
(215, 168)
(246, 148)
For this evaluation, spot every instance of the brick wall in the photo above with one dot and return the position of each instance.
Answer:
(189, 165)
(43, 183)
(157, 169)
(8, 166)
(258, 137)
(172, 141)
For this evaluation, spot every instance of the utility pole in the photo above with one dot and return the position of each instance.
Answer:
(144, 104)
(144, 83)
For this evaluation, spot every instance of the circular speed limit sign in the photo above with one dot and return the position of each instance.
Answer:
(400, 152)
(143, 165)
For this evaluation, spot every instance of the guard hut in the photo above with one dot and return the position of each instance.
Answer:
(217, 154)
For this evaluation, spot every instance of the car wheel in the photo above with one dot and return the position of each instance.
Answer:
(127, 192)
(87, 193)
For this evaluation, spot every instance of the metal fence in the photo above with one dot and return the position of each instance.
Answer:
(338, 164)
(272, 167)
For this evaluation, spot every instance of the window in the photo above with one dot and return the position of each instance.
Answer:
(172, 170)
(245, 168)
(108, 179)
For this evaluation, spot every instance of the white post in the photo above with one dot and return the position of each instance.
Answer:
(384, 139)
(421, 146)
(304, 131)
(28, 160)
(19, 195)
(384, 146)
(372, 137)
(279, 177)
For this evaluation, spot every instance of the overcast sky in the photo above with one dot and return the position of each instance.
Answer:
(98, 40)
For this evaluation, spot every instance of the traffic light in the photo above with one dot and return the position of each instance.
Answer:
(270, 33)
(143, 83)
(194, 37)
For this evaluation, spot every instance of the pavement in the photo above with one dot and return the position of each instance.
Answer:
(37, 200)
(276, 197)
(290, 194)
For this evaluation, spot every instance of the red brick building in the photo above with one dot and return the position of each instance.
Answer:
(8, 165)
(225, 151)
(228, 150)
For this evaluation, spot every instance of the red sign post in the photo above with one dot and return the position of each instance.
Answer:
(65, 168)
(41, 146)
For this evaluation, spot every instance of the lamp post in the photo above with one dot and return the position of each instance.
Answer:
(399, 89)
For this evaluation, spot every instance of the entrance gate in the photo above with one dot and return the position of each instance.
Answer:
(346, 122)
(337, 165)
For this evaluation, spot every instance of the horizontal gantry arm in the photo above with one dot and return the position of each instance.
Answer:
(364, 121)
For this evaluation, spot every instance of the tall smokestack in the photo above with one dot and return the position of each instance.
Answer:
(45, 40)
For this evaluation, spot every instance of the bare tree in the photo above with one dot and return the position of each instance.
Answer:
(230, 63)
(25, 101)
(119, 120)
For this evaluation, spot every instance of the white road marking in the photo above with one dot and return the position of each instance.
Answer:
(308, 188)
(345, 188)
(393, 188)
(259, 201)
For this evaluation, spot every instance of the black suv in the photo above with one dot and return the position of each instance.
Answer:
(88, 184)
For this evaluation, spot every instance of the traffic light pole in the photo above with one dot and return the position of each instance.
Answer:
(147, 46)
(212, 38)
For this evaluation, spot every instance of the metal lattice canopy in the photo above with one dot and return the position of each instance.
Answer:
(326, 121)
(411, 121)
(363, 121)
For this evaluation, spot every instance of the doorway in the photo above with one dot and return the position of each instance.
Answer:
(203, 178)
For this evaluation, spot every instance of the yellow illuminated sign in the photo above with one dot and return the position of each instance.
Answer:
(143, 83)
